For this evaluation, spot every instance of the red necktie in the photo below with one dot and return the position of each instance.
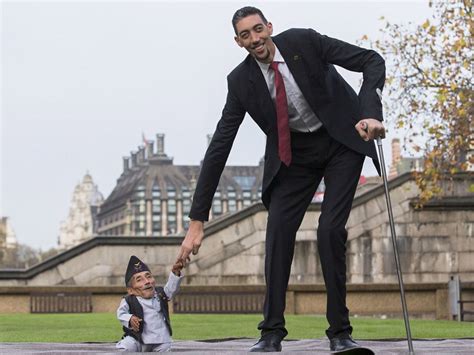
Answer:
(284, 140)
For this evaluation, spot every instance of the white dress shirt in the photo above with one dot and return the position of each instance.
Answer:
(301, 117)
(154, 329)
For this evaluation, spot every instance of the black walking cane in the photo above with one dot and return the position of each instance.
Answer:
(395, 248)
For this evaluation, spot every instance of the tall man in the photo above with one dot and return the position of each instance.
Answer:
(316, 126)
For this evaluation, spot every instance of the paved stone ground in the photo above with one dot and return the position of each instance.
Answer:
(233, 346)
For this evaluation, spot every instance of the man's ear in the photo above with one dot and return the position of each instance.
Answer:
(130, 291)
(237, 39)
(270, 28)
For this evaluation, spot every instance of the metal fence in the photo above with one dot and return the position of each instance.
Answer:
(61, 302)
(214, 302)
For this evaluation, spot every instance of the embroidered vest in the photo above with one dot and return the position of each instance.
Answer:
(137, 310)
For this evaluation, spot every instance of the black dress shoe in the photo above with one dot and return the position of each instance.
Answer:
(342, 344)
(266, 344)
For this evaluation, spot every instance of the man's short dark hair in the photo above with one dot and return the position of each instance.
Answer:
(244, 12)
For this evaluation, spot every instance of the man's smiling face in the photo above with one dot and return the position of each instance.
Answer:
(142, 284)
(254, 35)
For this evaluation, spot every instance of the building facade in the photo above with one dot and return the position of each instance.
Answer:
(80, 224)
(7, 234)
(153, 196)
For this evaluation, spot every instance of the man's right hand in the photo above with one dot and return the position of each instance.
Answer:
(191, 242)
(134, 323)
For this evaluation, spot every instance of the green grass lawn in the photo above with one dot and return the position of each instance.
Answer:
(104, 327)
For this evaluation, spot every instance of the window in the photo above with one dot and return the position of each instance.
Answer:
(232, 205)
(186, 206)
(171, 192)
(245, 182)
(217, 203)
(140, 192)
(155, 192)
(156, 215)
(171, 206)
(156, 207)
(172, 223)
(231, 196)
(247, 197)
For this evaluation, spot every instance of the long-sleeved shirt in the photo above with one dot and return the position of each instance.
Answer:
(301, 117)
(154, 328)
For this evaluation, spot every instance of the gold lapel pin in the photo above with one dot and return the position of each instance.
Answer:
(296, 57)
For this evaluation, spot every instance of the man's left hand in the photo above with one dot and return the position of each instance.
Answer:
(177, 267)
(370, 128)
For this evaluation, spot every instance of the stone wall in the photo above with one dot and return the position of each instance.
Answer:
(434, 243)
(423, 300)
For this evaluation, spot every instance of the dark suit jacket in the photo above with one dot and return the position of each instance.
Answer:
(310, 57)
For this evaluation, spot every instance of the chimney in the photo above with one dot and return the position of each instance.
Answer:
(141, 155)
(209, 139)
(134, 159)
(160, 144)
(149, 152)
(126, 164)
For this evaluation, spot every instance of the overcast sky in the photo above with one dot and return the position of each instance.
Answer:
(81, 81)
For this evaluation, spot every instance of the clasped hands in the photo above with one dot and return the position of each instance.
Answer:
(192, 242)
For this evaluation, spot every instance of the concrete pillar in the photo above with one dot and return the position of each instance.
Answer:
(225, 205)
(148, 219)
(164, 217)
(179, 215)
(128, 219)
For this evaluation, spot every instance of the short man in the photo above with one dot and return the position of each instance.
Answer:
(144, 311)
(316, 126)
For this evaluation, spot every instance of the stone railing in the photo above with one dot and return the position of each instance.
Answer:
(424, 300)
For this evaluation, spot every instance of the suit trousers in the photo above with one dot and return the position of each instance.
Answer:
(314, 156)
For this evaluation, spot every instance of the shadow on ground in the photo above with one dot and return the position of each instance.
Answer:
(232, 346)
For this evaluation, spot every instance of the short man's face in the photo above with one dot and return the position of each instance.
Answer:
(254, 35)
(143, 285)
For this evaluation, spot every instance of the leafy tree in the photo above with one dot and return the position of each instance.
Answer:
(429, 83)
(23, 256)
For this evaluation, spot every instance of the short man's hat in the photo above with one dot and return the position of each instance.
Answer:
(135, 266)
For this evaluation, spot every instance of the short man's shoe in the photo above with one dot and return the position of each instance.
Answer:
(342, 344)
(266, 344)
